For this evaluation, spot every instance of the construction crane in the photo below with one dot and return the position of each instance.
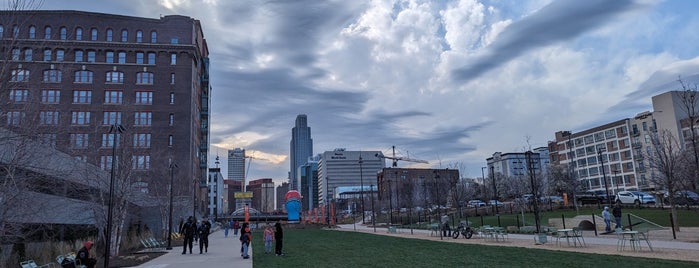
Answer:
(396, 159)
(247, 169)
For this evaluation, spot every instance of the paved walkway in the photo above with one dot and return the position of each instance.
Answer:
(223, 252)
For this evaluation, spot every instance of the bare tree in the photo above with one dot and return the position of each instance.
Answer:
(690, 104)
(669, 159)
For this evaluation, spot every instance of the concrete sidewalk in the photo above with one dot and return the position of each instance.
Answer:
(223, 252)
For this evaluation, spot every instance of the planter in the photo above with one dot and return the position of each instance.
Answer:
(540, 238)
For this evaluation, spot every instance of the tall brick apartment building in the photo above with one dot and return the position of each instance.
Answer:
(69, 76)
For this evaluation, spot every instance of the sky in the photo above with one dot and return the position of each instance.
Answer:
(450, 82)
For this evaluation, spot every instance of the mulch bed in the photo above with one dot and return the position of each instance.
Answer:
(136, 258)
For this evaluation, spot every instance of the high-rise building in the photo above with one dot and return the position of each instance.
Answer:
(308, 183)
(282, 189)
(301, 148)
(236, 164)
(85, 81)
(344, 168)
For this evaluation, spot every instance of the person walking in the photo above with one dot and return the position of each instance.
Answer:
(226, 226)
(617, 215)
(245, 239)
(445, 225)
(268, 238)
(279, 238)
(204, 231)
(236, 226)
(84, 255)
(188, 230)
(607, 219)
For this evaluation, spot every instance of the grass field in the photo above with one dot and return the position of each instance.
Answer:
(337, 249)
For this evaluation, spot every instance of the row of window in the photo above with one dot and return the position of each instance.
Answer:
(86, 76)
(138, 162)
(53, 96)
(82, 118)
(78, 34)
(90, 56)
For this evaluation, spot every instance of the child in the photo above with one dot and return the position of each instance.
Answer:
(268, 237)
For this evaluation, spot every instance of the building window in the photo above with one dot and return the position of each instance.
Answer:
(140, 162)
(174, 40)
(111, 118)
(28, 54)
(172, 78)
(64, 33)
(60, 54)
(80, 118)
(93, 34)
(153, 37)
(14, 118)
(91, 55)
(79, 140)
(48, 139)
(139, 36)
(32, 32)
(173, 58)
(124, 35)
(113, 97)
(106, 162)
(2, 31)
(172, 98)
(83, 77)
(50, 96)
(144, 78)
(171, 120)
(19, 95)
(19, 75)
(15, 31)
(47, 55)
(108, 140)
(82, 96)
(78, 56)
(169, 140)
(15, 54)
(48, 117)
(143, 118)
(139, 57)
(151, 58)
(110, 35)
(109, 57)
(141, 140)
(78, 33)
(47, 33)
(144, 97)
(122, 57)
(115, 77)
(52, 76)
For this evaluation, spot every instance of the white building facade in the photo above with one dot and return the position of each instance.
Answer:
(342, 168)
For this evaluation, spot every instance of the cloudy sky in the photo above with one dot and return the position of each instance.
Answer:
(450, 82)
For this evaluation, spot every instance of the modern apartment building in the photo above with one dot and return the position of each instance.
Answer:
(344, 168)
(514, 164)
(85, 81)
(301, 148)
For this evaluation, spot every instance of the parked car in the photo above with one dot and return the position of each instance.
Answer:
(589, 197)
(683, 197)
(634, 197)
(476, 203)
(556, 200)
(494, 202)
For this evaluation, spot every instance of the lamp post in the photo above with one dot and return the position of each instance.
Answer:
(390, 201)
(361, 185)
(194, 200)
(604, 176)
(172, 183)
(116, 129)
(373, 212)
(495, 190)
(483, 174)
(616, 179)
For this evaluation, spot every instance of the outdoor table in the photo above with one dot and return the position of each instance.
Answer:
(632, 236)
(567, 234)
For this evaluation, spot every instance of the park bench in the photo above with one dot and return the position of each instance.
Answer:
(32, 264)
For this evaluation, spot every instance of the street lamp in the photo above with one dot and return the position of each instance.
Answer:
(604, 175)
(172, 183)
(373, 212)
(495, 191)
(361, 185)
(390, 201)
(616, 179)
(117, 129)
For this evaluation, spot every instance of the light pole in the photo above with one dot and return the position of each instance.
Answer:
(616, 179)
(116, 129)
(604, 176)
(172, 183)
(194, 200)
(373, 212)
(495, 190)
(361, 185)
(483, 174)
(390, 201)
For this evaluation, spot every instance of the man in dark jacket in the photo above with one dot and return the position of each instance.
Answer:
(188, 230)
(616, 211)
(204, 231)
(83, 256)
(278, 237)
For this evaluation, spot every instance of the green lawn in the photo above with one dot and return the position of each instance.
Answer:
(336, 249)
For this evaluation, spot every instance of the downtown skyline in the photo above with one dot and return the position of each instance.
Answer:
(445, 81)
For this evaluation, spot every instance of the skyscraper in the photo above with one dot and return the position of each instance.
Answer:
(236, 164)
(301, 148)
